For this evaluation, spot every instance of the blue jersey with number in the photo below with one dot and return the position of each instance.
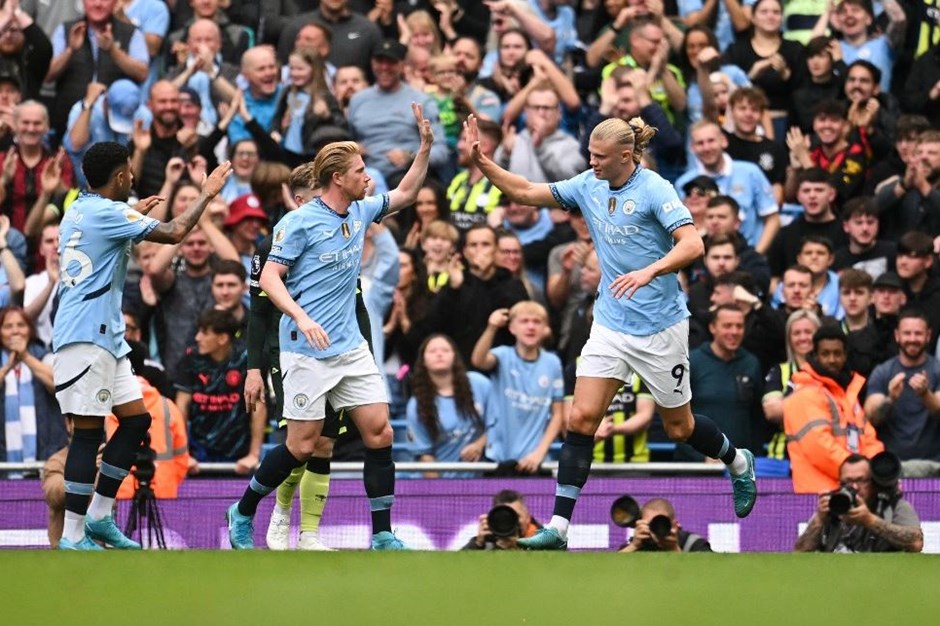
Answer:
(323, 250)
(631, 227)
(95, 239)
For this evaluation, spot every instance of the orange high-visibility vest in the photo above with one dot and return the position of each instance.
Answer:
(167, 438)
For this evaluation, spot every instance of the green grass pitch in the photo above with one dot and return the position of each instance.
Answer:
(446, 588)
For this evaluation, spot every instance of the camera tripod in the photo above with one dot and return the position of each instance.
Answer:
(144, 511)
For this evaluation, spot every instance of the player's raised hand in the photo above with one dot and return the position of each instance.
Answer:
(212, 185)
(314, 333)
(148, 204)
(629, 283)
(472, 137)
(424, 125)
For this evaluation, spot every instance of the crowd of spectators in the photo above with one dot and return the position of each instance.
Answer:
(804, 137)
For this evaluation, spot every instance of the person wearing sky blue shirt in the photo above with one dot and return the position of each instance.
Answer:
(742, 180)
(854, 18)
(562, 20)
(106, 113)
(643, 236)
(152, 18)
(447, 415)
(92, 373)
(816, 254)
(525, 412)
(262, 73)
(310, 275)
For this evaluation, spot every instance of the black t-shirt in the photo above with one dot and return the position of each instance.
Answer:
(786, 245)
(219, 424)
(875, 262)
(770, 156)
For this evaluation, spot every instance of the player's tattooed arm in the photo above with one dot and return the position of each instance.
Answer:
(176, 230)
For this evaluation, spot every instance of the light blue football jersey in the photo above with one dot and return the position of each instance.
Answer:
(631, 227)
(521, 402)
(323, 250)
(95, 240)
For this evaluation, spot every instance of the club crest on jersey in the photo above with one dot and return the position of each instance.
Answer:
(629, 207)
(611, 205)
(103, 396)
(300, 401)
(346, 233)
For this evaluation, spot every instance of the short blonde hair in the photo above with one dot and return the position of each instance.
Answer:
(334, 158)
(635, 134)
(442, 230)
(442, 60)
(528, 307)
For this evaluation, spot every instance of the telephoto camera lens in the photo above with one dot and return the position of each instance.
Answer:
(660, 526)
(885, 470)
(503, 521)
(624, 512)
(841, 500)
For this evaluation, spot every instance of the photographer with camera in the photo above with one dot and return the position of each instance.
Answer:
(506, 522)
(866, 513)
(655, 527)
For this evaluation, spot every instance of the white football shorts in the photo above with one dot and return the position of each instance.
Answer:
(89, 380)
(348, 380)
(660, 360)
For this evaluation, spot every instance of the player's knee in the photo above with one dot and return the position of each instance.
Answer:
(379, 437)
(678, 430)
(302, 449)
(323, 448)
(580, 421)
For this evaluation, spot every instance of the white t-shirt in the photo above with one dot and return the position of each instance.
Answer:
(34, 286)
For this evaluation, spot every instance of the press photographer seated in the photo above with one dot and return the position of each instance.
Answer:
(656, 528)
(866, 513)
(507, 521)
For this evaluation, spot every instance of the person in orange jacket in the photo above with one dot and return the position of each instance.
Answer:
(823, 418)
(167, 438)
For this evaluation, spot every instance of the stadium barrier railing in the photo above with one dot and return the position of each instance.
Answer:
(641, 469)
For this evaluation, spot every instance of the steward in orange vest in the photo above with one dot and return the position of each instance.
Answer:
(823, 419)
